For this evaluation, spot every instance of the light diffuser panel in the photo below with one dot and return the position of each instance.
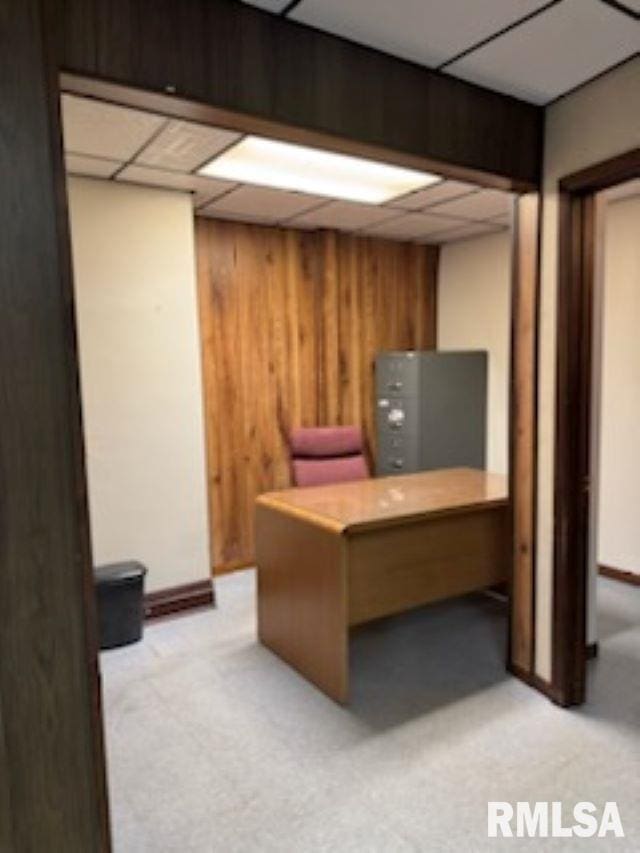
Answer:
(271, 163)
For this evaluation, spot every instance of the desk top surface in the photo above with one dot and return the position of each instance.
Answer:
(381, 501)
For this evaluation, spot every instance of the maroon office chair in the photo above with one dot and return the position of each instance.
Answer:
(327, 455)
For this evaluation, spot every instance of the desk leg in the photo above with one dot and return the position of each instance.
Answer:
(302, 598)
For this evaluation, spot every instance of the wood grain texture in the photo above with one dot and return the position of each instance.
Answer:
(577, 234)
(243, 60)
(572, 463)
(220, 54)
(52, 779)
(601, 176)
(388, 501)
(523, 430)
(328, 563)
(404, 566)
(302, 597)
(290, 323)
(6, 831)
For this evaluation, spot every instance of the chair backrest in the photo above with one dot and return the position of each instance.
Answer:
(327, 455)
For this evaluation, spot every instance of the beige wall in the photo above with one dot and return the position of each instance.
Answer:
(474, 312)
(596, 122)
(619, 481)
(133, 255)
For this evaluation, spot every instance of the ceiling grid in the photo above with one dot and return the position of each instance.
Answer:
(537, 50)
(169, 154)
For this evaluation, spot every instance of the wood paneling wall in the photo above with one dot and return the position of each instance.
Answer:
(291, 322)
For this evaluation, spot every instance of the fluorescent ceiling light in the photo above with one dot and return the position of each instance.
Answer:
(266, 162)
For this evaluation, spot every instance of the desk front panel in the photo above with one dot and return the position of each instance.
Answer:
(393, 569)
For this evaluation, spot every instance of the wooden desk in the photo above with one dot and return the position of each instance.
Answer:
(330, 557)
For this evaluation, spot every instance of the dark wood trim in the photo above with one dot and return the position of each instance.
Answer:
(621, 575)
(572, 489)
(182, 108)
(175, 599)
(592, 651)
(573, 443)
(52, 774)
(603, 175)
(242, 60)
(535, 681)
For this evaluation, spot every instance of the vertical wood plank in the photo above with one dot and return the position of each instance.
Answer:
(523, 473)
(291, 323)
(329, 366)
(573, 496)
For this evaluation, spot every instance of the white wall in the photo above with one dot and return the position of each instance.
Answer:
(596, 122)
(474, 312)
(133, 256)
(619, 481)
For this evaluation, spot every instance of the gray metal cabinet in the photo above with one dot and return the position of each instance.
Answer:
(431, 410)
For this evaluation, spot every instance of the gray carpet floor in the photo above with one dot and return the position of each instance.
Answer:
(214, 744)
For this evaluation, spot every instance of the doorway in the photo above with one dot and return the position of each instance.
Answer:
(130, 177)
(574, 497)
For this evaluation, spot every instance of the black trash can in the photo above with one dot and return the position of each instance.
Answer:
(119, 592)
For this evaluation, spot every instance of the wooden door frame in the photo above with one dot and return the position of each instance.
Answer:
(575, 305)
(523, 379)
(53, 791)
(523, 444)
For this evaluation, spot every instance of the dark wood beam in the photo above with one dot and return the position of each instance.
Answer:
(52, 785)
(239, 58)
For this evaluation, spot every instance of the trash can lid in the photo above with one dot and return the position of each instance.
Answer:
(114, 573)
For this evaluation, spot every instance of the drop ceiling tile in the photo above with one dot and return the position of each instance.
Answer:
(261, 204)
(275, 6)
(552, 53)
(484, 204)
(184, 146)
(204, 189)
(475, 229)
(94, 167)
(343, 215)
(97, 129)
(412, 226)
(426, 31)
(432, 195)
